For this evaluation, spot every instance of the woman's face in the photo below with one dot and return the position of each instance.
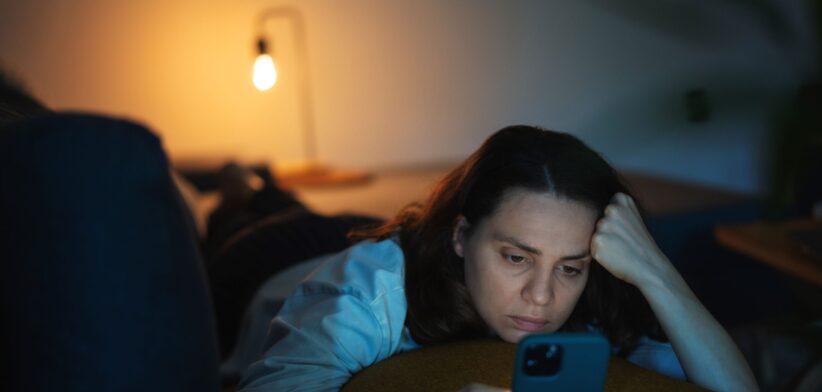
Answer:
(526, 264)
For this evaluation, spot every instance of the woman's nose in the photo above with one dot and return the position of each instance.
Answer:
(538, 290)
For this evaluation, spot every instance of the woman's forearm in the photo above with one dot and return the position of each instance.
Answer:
(623, 245)
(705, 350)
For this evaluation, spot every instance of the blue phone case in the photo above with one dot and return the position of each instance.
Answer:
(561, 362)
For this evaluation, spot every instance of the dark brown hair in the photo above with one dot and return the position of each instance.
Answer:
(439, 305)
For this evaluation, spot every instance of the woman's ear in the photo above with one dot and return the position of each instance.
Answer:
(458, 236)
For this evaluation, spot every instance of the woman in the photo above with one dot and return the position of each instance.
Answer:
(534, 232)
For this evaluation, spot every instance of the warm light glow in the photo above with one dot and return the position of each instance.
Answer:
(265, 75)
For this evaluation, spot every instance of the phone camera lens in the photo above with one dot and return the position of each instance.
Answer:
(542, 359)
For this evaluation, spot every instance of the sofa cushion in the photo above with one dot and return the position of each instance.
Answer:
(101, 281)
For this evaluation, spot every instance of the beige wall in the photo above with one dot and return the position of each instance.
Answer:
(181, 67)
(403, 82)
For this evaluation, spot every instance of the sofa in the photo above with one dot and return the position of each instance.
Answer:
(104, 287)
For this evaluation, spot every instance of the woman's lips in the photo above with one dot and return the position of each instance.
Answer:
(528, 323)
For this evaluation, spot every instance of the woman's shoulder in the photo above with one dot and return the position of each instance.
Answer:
(367, 269)
(347, 314)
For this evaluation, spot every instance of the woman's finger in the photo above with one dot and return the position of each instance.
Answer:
(476, 387)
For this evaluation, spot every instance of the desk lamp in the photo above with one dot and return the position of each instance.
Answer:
(312, 173)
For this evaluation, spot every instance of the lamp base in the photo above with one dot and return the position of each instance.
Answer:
(318, 175)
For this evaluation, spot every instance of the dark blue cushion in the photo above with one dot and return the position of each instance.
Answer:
(102, 285)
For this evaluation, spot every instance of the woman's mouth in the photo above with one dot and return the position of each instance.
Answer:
(529, 324)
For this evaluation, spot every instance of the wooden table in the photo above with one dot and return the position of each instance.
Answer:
(772, 244)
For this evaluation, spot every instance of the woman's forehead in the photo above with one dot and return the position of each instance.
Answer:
(519, 202)
(542, 221)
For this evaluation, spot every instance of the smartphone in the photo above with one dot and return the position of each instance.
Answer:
(561, 362)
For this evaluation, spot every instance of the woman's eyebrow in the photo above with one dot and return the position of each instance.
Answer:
(530, 249)
(518, 244)
(577, 257)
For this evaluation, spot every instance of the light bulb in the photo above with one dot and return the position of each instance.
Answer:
(265, 75)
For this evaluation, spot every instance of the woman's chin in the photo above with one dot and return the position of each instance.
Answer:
(514, 335)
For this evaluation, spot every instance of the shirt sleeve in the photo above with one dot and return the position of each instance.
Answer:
(348, 314)
(320, 338)
(657, 356)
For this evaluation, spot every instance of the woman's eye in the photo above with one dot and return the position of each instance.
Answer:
(568, 270)
(515, 259)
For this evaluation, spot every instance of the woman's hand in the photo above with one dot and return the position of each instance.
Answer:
(624, 247)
